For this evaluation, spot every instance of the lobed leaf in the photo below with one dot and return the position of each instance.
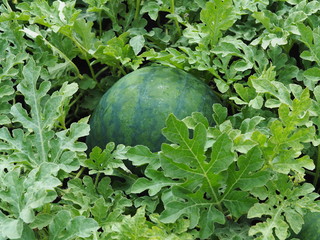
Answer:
(218, 16)
(22, 196)
(289, 202)
(65, 227)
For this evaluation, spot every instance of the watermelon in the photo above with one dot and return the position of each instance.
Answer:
(133, 111)
(310, 229)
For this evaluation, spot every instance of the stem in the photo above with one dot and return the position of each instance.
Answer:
(310, 173)
(136, 14)
(317, 173)
(79, 173)
(100, 24)
(101, 71)
(97, 180)
(83, 50)
(54, 48)
(122, 70)
(172, 8)
(90, 68)
(76, 99)
(7, 5)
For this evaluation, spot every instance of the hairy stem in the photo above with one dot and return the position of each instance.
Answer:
(172, 8)
(136, 14)
(100, 24)
(97, 180)
(79, 173)
(317, 173)
(7, 5)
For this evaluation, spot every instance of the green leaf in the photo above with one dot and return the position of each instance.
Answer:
(205, 176)
(175, 210)
(152, 8)
(57, 16)
(218, 16)
(140, 155)
(316, 92)
(194, 119)
(188, 162)
(42, 220)
(266, 83)
(117, 51)
(137, 227)
(234, 231)
(104, 161)
(238, 203)
(248, 176)
(137, 43)
(27, 233)
(41, 121)
(261, 17)
(66, 227)
(222, 155)
(67, 146)
(246, 93)
(290, 201)
(22, 195)
(82, 32)
(220, 113)
(10, 228)
(81, 193)
(242, 144)
(313, 74)
(176, 131)
(153, 186)
(100, 210)
(307, 55)
(311, 40)
(249, 124)
(8, 73)
(55, 68)
(221, 85)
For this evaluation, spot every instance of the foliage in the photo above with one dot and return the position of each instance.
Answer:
(253, 175)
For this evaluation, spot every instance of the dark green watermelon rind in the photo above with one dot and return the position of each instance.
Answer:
(139, 116)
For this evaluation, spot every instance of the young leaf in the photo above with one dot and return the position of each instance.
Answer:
(218, 16)
(10, 228)
(313, 74)
(140, 155)
(311, 40)
(103, 161)
(137, 43)
(266, 83)
(138, 227)
(66, 227)
(157, 182)
(233, 231)
(220, 113)
(22, 195)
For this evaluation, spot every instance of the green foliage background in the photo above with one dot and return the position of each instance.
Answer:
(253, 175)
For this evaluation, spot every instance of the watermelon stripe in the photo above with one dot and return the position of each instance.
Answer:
(133, 111)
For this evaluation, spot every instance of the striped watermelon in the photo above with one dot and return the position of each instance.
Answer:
(133, 111)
